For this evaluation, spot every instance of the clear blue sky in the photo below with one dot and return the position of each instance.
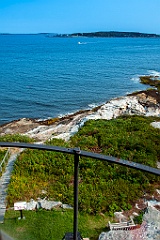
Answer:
(69, 16)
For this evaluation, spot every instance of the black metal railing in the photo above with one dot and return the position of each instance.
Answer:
(77, 153)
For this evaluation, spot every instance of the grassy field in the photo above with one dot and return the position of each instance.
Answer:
(51, 225)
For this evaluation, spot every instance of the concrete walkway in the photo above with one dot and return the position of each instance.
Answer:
(4, 181)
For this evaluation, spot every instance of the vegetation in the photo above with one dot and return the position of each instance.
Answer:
(108, 34)
(139, 219)
(51, 225)
(150, 80)
(11, 138)
(2, 155)
(15, 138)
(50, 121)
(103, 187)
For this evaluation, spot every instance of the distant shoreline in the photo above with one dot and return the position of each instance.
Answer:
(103, 34)
(112, 34)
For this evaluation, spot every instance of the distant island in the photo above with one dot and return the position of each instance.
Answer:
(108, 34)
(102, 34)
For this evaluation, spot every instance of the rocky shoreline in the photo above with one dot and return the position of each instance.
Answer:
(145, 103)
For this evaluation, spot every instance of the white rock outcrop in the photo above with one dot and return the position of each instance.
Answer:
(46, 204)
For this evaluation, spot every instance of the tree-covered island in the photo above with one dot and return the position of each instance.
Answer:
(108, 34)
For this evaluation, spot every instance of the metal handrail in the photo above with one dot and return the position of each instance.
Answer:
(101, 157)
(77, 153)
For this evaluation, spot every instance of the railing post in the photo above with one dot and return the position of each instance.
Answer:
(76, 170)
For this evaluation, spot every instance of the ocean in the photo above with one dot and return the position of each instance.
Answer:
(43, 77)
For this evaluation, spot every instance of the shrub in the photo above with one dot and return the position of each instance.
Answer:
(15, 138)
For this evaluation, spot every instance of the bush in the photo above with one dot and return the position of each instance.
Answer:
(15, 138)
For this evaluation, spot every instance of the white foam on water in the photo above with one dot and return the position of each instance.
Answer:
(43, 119)
(127, 93)
(66, 114)
(153, 73)
(135, 79)
(93, 105)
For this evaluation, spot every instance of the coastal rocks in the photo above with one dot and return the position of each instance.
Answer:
(129, 105)
(119, 107)
(148, 97)
(20, 126)
(145, 103)
(141, 104)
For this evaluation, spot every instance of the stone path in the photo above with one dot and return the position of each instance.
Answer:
(4, 181)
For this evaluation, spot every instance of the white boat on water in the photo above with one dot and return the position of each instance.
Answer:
(81, 42)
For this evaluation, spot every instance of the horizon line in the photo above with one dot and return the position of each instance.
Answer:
(110, 31)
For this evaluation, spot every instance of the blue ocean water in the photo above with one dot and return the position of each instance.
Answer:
(42, 77)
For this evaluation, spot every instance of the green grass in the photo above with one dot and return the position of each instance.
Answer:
(2, 154)
(51, 225)
(15, 138)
